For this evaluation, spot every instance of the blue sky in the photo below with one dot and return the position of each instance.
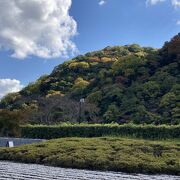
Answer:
(94, 25)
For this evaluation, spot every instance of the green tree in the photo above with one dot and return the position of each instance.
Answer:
(8, 100)
(134, 48)
(128, 66)
(112, 114)
(151, 89)
(79, 86)
(9, 123)
(142, 116)
(170, 108)
(95, 97)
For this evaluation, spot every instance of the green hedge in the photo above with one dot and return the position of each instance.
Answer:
(146, 131)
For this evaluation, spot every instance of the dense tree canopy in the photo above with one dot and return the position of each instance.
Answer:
(127, 83)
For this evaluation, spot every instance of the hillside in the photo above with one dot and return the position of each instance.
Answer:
(126, 83)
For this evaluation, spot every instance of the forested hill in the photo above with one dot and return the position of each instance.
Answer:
(127, 83)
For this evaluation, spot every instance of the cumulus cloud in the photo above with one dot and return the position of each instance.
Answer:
(9, 86)
(42, 28)
(102, 2)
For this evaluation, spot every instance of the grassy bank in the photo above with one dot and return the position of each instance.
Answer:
(99, 130)
(105, 153)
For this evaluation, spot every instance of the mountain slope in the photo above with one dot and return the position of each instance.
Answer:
(128, 84)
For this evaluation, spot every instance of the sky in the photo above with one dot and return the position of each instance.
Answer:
(37, 35)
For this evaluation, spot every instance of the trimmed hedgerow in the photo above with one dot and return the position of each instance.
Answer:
(137, 131)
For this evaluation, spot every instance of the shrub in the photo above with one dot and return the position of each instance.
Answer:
(97, 130)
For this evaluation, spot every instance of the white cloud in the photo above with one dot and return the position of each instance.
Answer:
(176, 3)
(42, 28)
(153, 2)
(9, 86)
(178, 22)
(102, 2)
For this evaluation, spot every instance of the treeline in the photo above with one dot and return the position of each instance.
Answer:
(97, 130)
(126, 84)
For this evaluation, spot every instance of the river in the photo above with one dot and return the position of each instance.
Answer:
(16, 171)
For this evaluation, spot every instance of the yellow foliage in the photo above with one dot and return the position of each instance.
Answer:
(140, 54)
(94, 59)
(54, 93)
(79, 65)
(106, 59)
(80, 83)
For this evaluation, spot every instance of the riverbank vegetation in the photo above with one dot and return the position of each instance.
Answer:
(105, 153)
